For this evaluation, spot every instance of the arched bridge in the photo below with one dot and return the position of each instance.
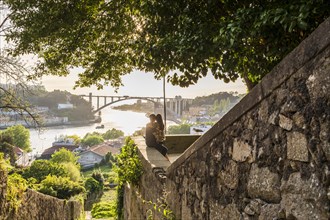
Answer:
(174, 106)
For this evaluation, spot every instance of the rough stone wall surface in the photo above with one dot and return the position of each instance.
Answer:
(3, 181)
(37, 206)
(269, 157)
(139, 201)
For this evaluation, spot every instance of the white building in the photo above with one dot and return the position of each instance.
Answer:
(64, 106)
(22, 158)
(95, 154)
(55, 120)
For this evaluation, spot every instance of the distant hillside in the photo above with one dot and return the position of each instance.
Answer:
(136, 107)
(81, 108)
(210, 99)
(218, 103)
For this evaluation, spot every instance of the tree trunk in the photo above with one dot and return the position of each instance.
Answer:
(249, 84)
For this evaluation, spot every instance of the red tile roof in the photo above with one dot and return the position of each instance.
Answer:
(104, 148)
(49, 151)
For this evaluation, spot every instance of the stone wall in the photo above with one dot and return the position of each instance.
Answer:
(140, 202)
(178, 143)
(3, 185)
(35, 205)
(268, 158)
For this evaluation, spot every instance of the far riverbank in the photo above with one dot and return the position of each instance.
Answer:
(52, 124)
(126, 121)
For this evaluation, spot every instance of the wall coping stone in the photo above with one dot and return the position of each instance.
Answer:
(178, 143)
(152, 161)
(295, 60)
(150, 157)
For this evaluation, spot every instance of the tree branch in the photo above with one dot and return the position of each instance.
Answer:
(4, 21)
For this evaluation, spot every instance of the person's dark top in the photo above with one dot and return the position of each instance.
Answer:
(150, 138)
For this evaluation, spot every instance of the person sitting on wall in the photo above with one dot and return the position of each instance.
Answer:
(159, 131)
(153, 129)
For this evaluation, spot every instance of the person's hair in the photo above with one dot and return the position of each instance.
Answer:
(159, 120)
(152, 116)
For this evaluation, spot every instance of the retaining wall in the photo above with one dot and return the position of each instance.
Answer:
(267, 158)
(38, 206)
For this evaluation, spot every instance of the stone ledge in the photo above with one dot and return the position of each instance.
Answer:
(310, 47)
(178, 143)
(149, 156)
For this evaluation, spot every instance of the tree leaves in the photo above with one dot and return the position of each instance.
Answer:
(111, 38)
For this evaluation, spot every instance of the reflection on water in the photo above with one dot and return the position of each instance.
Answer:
(126, 121)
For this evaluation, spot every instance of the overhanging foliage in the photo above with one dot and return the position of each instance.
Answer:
(229, 39)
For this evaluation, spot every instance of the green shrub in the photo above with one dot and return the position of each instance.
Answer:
(109, 157)
(4, 164)
(40, 169)
(64, 156)
(60, 187)
(7, 147)
(129, 169)
(92, 185)
(20, 137)
(75, 138)
(92, 140)
(104, 210)
(97, 175)
(113, 134)
(179, 129)
(112, 177)
(73, 171)
(16, 186)
(106, 175)
(129, 166)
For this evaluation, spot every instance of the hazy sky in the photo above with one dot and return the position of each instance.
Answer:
(139, 84)
(144, 84)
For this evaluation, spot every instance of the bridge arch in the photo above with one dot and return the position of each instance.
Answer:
(174, 119)
(175, 105)
(125, 99)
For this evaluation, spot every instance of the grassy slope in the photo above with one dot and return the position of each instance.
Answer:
(109, 195)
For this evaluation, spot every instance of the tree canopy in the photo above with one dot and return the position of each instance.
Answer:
(14, 88)
(60, 187)
(185, 39)
(40, 169)
(112, 134)
(179, 129)
(13, 76)
(92, 140)
(64, 156)
(20, 136)
(7, 147)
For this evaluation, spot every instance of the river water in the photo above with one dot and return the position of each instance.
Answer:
(126, 121)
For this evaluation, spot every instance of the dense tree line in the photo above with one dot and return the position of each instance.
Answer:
(95, 138)
(210, 99)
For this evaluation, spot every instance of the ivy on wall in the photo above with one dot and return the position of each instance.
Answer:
(129, 170)
(15, 186)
